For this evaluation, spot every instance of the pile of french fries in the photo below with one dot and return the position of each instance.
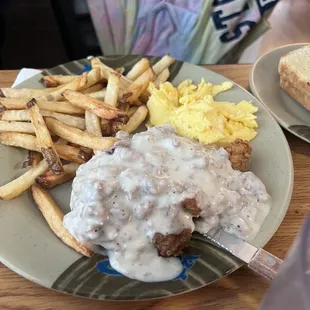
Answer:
(64, 124)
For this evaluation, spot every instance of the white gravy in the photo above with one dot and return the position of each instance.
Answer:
(121, 198)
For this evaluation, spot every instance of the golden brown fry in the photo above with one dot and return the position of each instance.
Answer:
(119, 70)
(92, 77)
(56, 80)
(22, 183)
(74, 121)
(92, 89)
(61, 141)
(53, 106)
(17, 127)
(98, 94)
(162, 77)
(112, 92)
(33, 159)
(160, 70)
(15, 115)
(116, 127)
(78, 136)
(29, 142)
(132, 93)
(92, 122)
(88, 151)
(96, 106)
(74, 154)
(132, 111)
(54, 217)
(124, 106)
(105, 70)
(50, 180)
(140, 67)
(76, 84)
(22, 140)
(136, 119)
(163, 64)
(24, 92)
(44, 139)
(23, 116)
(106, 128)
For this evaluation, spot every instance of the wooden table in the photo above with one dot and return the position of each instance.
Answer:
(241, 290)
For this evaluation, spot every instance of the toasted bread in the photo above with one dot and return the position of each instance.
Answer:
(294, 70)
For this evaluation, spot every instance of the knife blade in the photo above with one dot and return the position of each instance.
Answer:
(257, 259)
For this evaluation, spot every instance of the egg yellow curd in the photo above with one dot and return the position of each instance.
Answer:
(193, 112)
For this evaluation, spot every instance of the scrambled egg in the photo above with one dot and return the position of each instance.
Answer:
(192, 111)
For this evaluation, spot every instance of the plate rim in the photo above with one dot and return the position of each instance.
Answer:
(253, 88)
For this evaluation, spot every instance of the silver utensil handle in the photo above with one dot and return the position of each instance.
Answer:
(265, 264)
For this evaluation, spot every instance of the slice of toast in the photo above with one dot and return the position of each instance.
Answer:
(294, 70)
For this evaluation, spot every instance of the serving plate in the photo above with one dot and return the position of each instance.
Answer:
(28, 246)
(265, 85)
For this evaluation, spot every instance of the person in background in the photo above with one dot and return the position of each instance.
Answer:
(3, 4)
(196, 31)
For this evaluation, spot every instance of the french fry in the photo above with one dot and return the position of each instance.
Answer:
(15, 115)
(124, 106)
(163, 64)
(23, 116)
(61, 141)
(22, 183)
(73, 121)
(54, 217)
(33, 159)
(76, 84)
(136, 119)
(17, 127)
(80, 137)
(74, 154)
(92, 77)
(161, 78)
(44, 139)
(92, 89)
(119, 70)
(92, 122)
(27, 93)
(29, 142)
(98, 94)
(116, 127)
(141, 66)
(105, 70)
(21, 140)
(160, 70)
(132, 93)
(96, 106)
(53, 106)
(56, 80)
(106, 128)
(132, 110)
(112, 92)
(87, 150)
(50, 180)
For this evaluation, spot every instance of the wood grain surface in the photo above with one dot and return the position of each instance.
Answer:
(239, 291)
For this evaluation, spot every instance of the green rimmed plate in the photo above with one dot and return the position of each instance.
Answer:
(28, 246)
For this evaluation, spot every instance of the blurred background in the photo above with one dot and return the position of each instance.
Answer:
(44, 33)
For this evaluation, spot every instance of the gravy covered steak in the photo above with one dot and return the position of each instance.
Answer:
(141, 200)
